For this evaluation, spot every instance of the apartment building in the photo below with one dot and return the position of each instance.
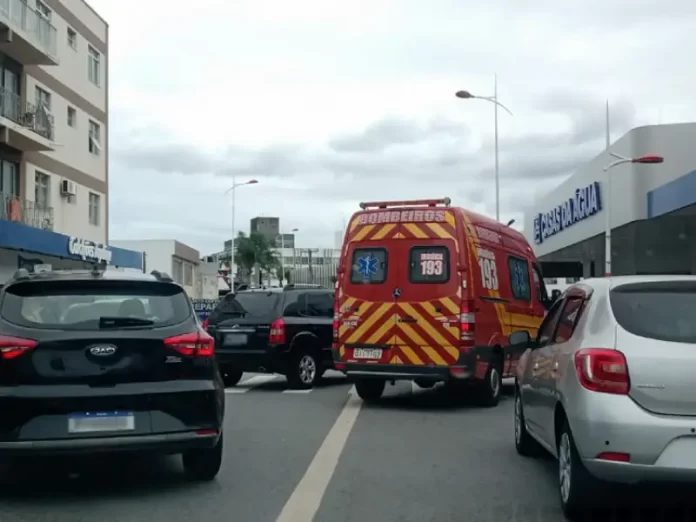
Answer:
(54, 135)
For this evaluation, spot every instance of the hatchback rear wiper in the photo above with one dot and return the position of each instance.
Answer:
(113, 322)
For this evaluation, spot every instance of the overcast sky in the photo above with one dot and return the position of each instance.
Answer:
(330, 103)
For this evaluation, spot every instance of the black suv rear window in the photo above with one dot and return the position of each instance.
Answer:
(369, 266)
(429, 264)
(254, 303)
(79, 305)
(661, 310)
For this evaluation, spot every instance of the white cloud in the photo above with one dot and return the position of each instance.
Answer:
(332, 103)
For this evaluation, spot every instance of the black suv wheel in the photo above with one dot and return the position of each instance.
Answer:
(304, 371)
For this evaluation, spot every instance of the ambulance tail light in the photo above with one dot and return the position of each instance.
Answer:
(335, 330)
(467, 323)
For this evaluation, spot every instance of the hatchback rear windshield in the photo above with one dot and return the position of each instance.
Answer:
(253, 303)
(84, 305)
(662, 310)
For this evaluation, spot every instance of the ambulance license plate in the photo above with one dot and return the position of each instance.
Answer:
(367, 353)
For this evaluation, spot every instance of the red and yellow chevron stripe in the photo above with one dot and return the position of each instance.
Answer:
(431, 340)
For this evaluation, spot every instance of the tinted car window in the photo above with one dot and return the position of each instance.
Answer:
(79, 305)
(256, 303)
(664, 311)
(549, 325)
(318, 304)
(519, 279)
(369, 266)
(569, 318)
(429, 264)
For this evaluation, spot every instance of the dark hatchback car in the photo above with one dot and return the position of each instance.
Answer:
(279, 330)
(100, 362)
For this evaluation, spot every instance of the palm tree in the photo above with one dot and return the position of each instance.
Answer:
(254, 250)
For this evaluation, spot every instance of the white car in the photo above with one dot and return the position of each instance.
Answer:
(608, 387)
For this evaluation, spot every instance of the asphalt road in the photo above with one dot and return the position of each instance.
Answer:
(293, 456)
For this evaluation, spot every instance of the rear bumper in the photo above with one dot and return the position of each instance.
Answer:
(164, 443)
(405, 372)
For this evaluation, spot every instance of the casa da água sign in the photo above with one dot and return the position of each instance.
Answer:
(586, 202)
(89, 251)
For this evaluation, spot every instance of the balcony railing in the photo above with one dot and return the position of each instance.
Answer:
(13, 208)
(37, 119)
(21, 16)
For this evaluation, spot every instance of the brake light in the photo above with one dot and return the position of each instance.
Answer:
(467, 322)
(205, 324)
(194, 344)
(11, 347)
(614, 456)
(602, 370)
(277, 335)
(335, 330)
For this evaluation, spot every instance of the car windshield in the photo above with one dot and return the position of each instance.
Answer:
(90, 305)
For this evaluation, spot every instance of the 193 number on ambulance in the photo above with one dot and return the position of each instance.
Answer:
(489, 272)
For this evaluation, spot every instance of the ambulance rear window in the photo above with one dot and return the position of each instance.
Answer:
(429, 264)
(369, 266)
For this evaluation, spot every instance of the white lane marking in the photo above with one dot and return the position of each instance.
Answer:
(309, 390)
(304, 502)
(250, 383)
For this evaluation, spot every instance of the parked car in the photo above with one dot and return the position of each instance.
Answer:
(276, 330)
(607, 386)
(98, 362)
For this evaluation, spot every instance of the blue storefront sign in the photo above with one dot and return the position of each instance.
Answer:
(204, 307)
(21, 237)
(587, 202)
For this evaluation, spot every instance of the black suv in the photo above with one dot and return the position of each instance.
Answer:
(96, 362)
(287, 331)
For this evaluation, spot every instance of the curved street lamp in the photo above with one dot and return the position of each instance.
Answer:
(466, 95)
(649, 159)
(233, 190)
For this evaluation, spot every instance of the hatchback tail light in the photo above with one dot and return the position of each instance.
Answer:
(277, 334)
(602, 370)
(467, 323)
(11, 347)
(194, 344)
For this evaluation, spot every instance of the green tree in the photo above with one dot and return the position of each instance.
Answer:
(254, 250)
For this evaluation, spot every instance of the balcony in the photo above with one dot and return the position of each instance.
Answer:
(23, 125)
(26, 35)
(14, 208)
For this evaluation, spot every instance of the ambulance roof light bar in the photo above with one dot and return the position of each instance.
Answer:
(413, 203)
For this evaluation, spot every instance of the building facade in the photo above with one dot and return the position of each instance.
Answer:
(169, 256)
(54, 136)
(267, 226)
(651, 208)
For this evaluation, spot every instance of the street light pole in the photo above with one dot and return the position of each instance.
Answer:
(466, 95)
(233, 190)
(620, 160)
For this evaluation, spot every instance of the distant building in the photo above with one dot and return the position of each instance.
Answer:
(268, 226)
(178, 260)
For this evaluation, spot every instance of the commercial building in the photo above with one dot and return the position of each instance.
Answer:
(651, 208)
(170, 256)
(54, 136)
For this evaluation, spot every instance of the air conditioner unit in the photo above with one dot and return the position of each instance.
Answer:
(68, 188)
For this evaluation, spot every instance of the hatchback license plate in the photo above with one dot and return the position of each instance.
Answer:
(92, 422)
(367, 353)
(235, 339)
